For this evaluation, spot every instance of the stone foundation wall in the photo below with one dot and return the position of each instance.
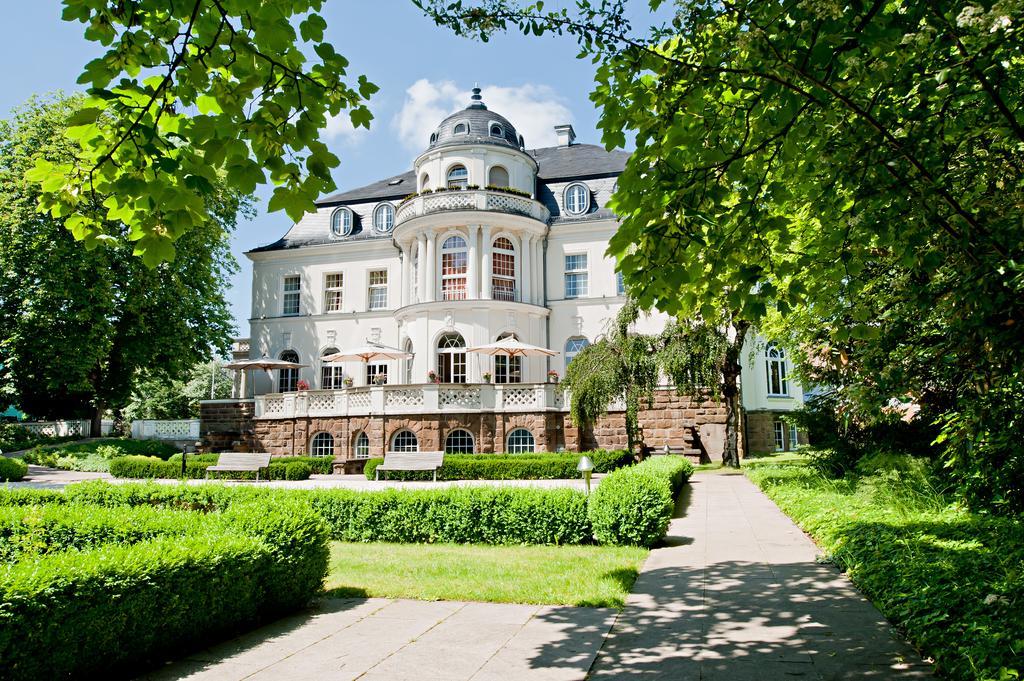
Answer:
(226, 425)
(760, 432)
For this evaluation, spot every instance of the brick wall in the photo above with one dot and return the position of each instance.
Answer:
(226, 425)
(760, 431)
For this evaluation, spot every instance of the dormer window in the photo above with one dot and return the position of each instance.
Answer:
(341, 222)
(461, 129)
(384, 217)
(458, 177)
(496, 130)
(577, 199)
(522, 142)
(433, 137)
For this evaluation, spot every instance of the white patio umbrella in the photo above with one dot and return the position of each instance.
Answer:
(371, 352)
(512, 347)
(265, 363)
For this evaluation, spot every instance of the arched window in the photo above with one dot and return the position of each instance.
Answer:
(384, 217)
(520, 440)
(458, 177)
(433, 137)
(451, 358)
(461, 129)
(408, 363)
(331, 375)
(287, 379)
(522, 142)
(572, 348)
(508, 369)
(425, 182)
(497, 177)
(362, 446)
(775, 359)
(497, 130)
(577, 199)
(322, 445)
(454, 263)
(503, 270)
(459, 442)
(405, 441)
(341, 222)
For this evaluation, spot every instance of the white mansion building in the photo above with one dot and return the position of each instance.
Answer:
(482, 240)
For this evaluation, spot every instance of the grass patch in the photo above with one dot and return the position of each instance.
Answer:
(595, 576)
(952, 580)
(95, 456)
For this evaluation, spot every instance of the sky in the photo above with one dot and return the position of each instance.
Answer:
(424, 73)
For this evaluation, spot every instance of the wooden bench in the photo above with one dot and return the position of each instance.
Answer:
(410, 461)
(238, 462)
(690, 453)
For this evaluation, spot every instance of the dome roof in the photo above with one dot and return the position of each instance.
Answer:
(475, 125)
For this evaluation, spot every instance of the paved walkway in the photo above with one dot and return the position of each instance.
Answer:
(378, 639)
(738, 595)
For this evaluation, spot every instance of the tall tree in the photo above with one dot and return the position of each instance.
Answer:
(854, 166)
(160, 397)
(192, 94)
(78, 325)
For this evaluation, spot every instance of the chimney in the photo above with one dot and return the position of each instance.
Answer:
(566, 135)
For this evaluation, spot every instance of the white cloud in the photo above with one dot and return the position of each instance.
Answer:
(533, 109)
(340, 128)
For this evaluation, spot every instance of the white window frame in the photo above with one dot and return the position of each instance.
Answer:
(374, 369)
(457, 364)
(620, 284)
(508, 176)
(571, 354)
(316, 443)
(406, 446)
(776, 371)
(381, 225)
(371, 288)
(332, 376)
(459, 183)
(584, 199)
(463, 436)
(288, 379)
(455, 128)
(456, 292)
(425, 181)
(516, 445)
(506, 293)
(329, 290)
(345, 223)
(288, 295)
(490, 129)
(794, 437)
(577, 275)
(779, 435)
(361, 446)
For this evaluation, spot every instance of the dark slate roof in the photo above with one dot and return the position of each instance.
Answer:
(395, 187)
(578, 161)
(479, 120)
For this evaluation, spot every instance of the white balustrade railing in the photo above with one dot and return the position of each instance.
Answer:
(69, 428)
(428, 398)
(155, 429)
(471, 199)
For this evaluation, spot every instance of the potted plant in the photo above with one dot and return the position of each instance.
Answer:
(487, 377)
(380, 379)
(302, 385)
(552, 376)
(432, 377)
(347, 381)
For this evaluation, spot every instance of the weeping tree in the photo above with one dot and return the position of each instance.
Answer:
(702, 360)
(621, 366)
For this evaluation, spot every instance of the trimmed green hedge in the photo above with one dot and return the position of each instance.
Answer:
(321, 465)
(634, 505)
(109, 610)
(12, 470)
(147, 467)
(530, 466)
(96, 455)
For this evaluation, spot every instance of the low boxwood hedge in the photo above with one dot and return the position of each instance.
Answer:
(12, 470)
(321, 465)
(634, 505)
(148, 467)
(113, 609)
(530, 466)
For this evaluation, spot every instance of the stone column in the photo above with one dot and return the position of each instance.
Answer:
(487, 278)
(406, 275)
(421, 277)
(473, 263)
(430, 270)
(539, 292)
(527, 271)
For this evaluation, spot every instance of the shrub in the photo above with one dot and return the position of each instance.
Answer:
(530, 466)
(96, 455)
(297, 470)
(634, 505)
(12, 470)
(104, 611)
(148, 467)
(15, 437)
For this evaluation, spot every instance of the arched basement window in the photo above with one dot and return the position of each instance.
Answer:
(520, 440)
(405, 441)
(322, 445)
(459, 442)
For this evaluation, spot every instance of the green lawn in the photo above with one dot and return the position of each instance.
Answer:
(952, 580)
(595, 576)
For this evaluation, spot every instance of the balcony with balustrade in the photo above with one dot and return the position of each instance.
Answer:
(429, 398)
(494, 201)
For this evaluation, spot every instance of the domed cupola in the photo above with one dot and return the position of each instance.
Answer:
(475, 125)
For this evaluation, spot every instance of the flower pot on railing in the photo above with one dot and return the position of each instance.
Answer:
(552, 377)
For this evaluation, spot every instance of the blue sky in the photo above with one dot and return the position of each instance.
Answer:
(424, 73)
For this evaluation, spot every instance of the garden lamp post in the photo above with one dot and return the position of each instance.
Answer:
(185, 451)
(586, 467)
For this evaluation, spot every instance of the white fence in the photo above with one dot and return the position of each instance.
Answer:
(151, 429)
(77, 427)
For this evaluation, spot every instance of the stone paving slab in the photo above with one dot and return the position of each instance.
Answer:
(737, 594)
(379, 638)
